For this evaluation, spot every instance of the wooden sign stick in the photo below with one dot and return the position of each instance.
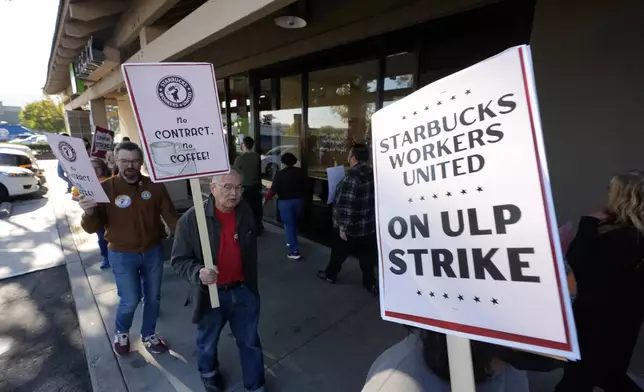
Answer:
(203, 237)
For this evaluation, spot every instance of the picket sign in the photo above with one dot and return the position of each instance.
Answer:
(466, 224)
(176, 106)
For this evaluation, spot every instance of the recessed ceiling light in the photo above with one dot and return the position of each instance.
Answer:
(290, 22)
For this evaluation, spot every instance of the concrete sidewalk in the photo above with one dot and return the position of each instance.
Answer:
(316, 337)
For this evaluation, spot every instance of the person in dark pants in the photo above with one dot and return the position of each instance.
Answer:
(291, 185)
(606, 257)
(249, 163)
(231, 228)
(354, 220)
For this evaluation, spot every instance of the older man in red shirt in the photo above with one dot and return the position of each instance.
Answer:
(233, 239)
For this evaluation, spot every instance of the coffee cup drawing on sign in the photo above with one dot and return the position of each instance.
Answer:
(167, 158)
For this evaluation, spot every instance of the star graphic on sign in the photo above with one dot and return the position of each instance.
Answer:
(426, 107)
(453, 97)
(445, 296)
(495, 301)
(448, 194)
(435, 196)
(479, 189)
(460, 298)
(418, 292)
(463, 192)
(415, 113)
(431, 294)
(410, 200)
(467, 92)
(422, 198)
(439, 103)
(477, 299)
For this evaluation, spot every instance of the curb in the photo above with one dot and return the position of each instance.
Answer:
(5, 209)
(104, 370)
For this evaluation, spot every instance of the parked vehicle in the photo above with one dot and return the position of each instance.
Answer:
(17, 157)
(22, 148)
(10, 132)
(271, 160)
(16, 181)
(33, 139)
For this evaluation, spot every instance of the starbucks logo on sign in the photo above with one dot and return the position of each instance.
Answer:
(175, 92)
(67, 151)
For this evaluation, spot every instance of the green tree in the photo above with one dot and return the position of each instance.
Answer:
(43, 115)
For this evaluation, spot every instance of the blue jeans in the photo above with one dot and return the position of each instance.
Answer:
(240, 307)
(290, 212)
(133, 273)
(61, 174)
(102, 243)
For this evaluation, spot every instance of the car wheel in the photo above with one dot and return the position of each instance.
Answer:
(4, 193)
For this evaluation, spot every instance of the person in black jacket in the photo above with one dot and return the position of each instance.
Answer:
(606, 257)
(291, 186)
(233, 242)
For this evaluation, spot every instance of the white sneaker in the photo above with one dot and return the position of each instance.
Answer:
(121, 344)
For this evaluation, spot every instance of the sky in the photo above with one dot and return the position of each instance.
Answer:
(26, 31)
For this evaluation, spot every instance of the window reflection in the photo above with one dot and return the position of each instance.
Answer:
(399, 77)
(280, 118)
(239, 109)
(221, 91)
(341, 103)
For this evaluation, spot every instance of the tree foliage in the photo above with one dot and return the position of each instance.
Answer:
(43, 115)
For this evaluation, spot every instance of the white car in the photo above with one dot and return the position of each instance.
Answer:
(15, 155)
(22, 148)
(16, 181)
(271, 161)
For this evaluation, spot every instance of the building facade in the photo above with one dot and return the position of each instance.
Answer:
(312, 90)
(9, 114)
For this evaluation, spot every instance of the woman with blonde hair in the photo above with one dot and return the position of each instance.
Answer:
(606, 257)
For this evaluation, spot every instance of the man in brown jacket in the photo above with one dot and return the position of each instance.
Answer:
(134, 231)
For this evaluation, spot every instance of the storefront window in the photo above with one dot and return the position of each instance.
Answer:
(221, 90)
(341, 103)
(399, 77)
(239, 107)
(280, 127)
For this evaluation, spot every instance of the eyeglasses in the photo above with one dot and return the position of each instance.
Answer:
(230, 188)
(133, 163)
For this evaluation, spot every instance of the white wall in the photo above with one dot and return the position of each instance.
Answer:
(589, 66)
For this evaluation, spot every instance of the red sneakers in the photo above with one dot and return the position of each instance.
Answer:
(155, 344)
(121, 344)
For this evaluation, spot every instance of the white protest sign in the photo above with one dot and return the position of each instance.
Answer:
(71, 153)
(179, 119)
(334, 175)
(466, 227)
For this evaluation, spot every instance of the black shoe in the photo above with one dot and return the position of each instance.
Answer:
(322, 275)
(215, 383)
(373, 290)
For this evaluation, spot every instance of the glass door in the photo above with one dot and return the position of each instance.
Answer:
(280, 129)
